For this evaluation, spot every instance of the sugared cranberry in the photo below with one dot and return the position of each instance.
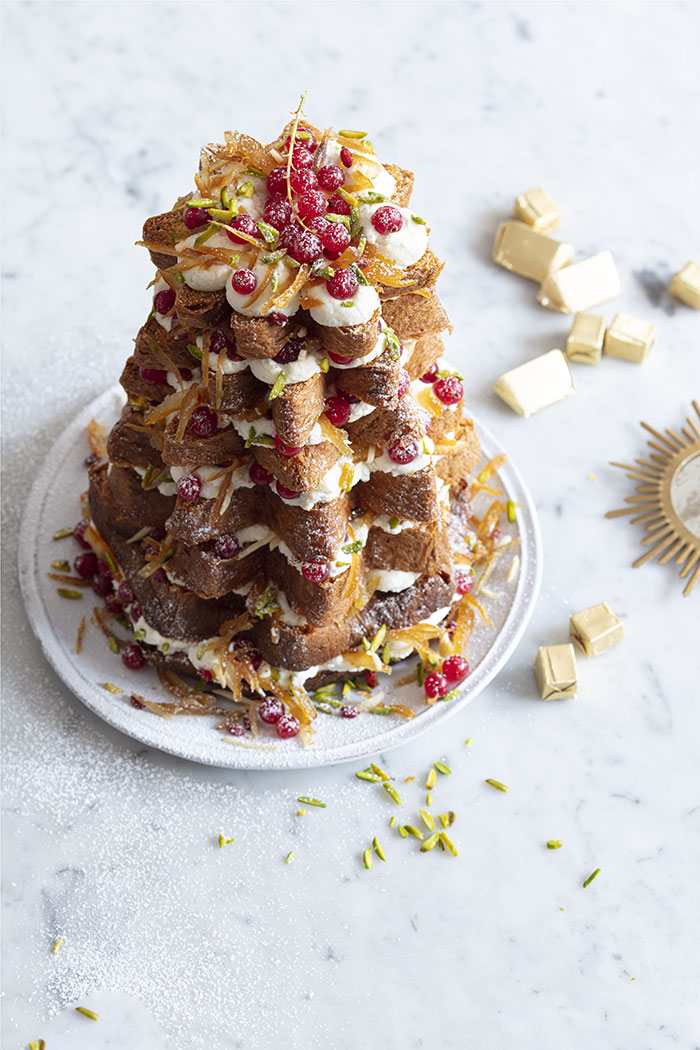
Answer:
(135, 702)
(186, 374)
(449, 390)
(464, 581)
(258, 475)
(113, 604)
(86, 565)
(403, 452)
(346, 157)
(343, 284)
(135, 611)
(349, 711)
(289, 236)
(331, 177)
(219, 341)
(164, 301)
(431, 375)
(195, 217)
(204, 421)
(226, 546)
(126, 593)
(235, 729)
(436, 684)
(319, 224)
(404, 382)
(304, 181)
(287, 727)
(101, 585)
(246, 224)
(244, 282)
(348, 397)
(253, 655)
(277, 212)
(79, 534)
(335, 238)
(153, 376)
(270, 710)
(158, 532)
(338, 206)
(133, 657)
(315, 571)
(455, 669)
(337, 410)
(338, 359)
(387, 219)
(285, 493)
(290, 351)
(371, 678)
(286, 450)
(304, 137)
(205, 675)
(301, 157)
(278, 318)
(276, 181)
(189, 487)
(311, 203)
(306, 247)
(104, 569)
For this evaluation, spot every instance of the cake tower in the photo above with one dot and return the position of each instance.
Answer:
(284, 498)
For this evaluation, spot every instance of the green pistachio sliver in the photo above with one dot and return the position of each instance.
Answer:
(87, 1013)
(255, 172)
(348, 304)
(202, 202)
(392, 792)
(349, 134)
(386, 653)
(273, 257)
(113, 644)
(372, 197)
(378, 639)
(66, 592)
(417, 219)
(246, 189)
(334, 217)
(290, 857)
(497, 784)
(420, 674)
(367, 857)
(431, 842)
(414, 831)
(195, 351)
(403, 832)
(450, 696)
(269, 233)
(444, 820)
(61, 534)
(468, 741)
(445, 840)
(554, 844)
(56, 946)
(392, 821)
(61, 566)
(589, 880)
(429, 798)
(179, 277)
(431, 778)
(224, 841)
(442, 768)
(222, 214)
(511, 511)
(362, 774)
(427, 819)
(378, 849)
(307, 801)
(394, 522)
(206, 234)
(378, 771)
(110, 687)
(393, 343)
(361, 279)
(138, 635)
(324, 364)
(277, 387)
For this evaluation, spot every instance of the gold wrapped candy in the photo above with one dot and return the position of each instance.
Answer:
(596, 629)
(525, 251)
(539, 382)
(538, 210)
(585, 342)
(583, 284)
(686, 285)
(629, 338)
(555, 670)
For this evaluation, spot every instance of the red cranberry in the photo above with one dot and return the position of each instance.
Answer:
(342, 285)
(331, 177)
(346, 157)
(290, 351)
(335, 238)
(135, 702)
(158, 532)
(205, 675)
(226, 546)
(285, 493)
(258, 475)
(337, 410)
(246, 224)
(311, 204)
(153, 376)
(404, 382)
(164, 301)
(278, 318)
(189, 487)
(101, 585)
(403, 453)
(270, 710)
(235, 729)
(306, 247)
(253, 655)
(286, 450)
(86, 565)
(315, 571)
(348, 397)
(287, 727)
(186, 374)
(244, 282)
(338, 359)
(436, 685)
(135, 610)
(204, 421)
(387, 219)
(305, 137)
(133, 657)
(195, 217)
(431, 375)
(104, 569)
(301, 157)
(126, 593)
(289, 236)
(277, 212)
(113, 605)
(219, 341)
(464, 581)
(160, 576)
(338, 206)
(276, 181)
(449, 390)
(455, 669)
(371, 678)
(319, 224)
(304, 181)
(79, 534)
(349, 711)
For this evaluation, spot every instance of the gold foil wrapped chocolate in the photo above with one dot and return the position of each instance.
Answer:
(686, 285)
(526, 252)
(537, 209)
(540, 382)
(555, 671)
(596, 629)
(585, 342)
(581, 285)
(629, 338)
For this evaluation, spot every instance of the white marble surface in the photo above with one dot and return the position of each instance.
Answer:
(113, 847)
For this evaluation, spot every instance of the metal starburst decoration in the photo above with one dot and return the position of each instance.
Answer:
(667, 498)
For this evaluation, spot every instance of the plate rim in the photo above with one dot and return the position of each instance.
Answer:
(244, 758)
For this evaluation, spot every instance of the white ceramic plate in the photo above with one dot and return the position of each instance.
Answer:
(54, 504)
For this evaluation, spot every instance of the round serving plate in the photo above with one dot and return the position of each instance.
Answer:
(54, 504)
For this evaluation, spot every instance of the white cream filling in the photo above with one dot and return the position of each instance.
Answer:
(228, 367)
(360, 409)
(406, 246)
(184, 384)
(333, 314)
(166, 488)
(267, 370)
(386, 465)
(282, 276)
(211, 478)
(266, 427)
(208, 277)
(367, 164)
(395, 580)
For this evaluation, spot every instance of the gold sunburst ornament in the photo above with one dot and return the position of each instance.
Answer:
(667, 500)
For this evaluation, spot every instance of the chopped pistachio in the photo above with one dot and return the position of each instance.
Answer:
(417, 219)
(269, 233)
(61, 566)
(386, 653)
(111, 688)
(378, 849)
(468, 741)
(420, 673)
(60, 534)
(431, 842)
(414, 831)
(392, 792)
(348, 304)
(362, 774)
(290, 857)
(496, 784)
(429, 798)
(113, 644)
(202, 202)
(277, 387)
(511, 510)
(392, 821)
(66, 592)
(427, 819)
(589, 880)
(444, 839)
(56, 946)
(378, 639)
(311, 801)
(301, 812)
(554, 844)
(444, 820)
(367, 857)
(379, 771)
(324, 364)
(431, 778)
(206, 234)
(195, 351)
(224, 842)
(87, 1013)
(345, 134)
(403, 832)
(246, 189)
(442, 768)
